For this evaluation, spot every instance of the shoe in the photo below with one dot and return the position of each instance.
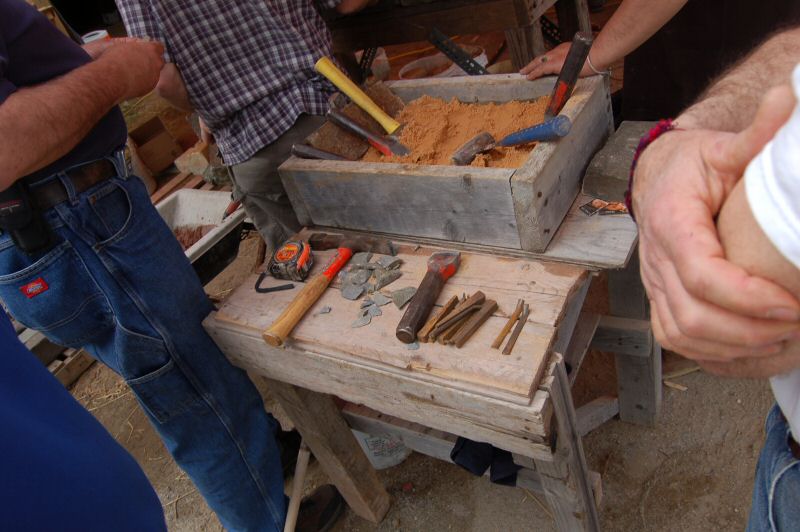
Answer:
(320, 510)
(289, 443)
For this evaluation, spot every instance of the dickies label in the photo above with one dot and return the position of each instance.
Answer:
(34, 288)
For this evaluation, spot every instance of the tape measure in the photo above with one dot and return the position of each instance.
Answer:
(291, 261)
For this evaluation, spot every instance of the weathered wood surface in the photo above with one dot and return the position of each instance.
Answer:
(37, 343)
(595, 413)
(317, 418)
(579, 343)
(624, 336)
(546, 186)
(508, 208)
(518, 428)
(607, 174)
(474, 367)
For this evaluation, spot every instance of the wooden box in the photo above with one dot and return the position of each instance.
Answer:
(501, 207)
(155, 145)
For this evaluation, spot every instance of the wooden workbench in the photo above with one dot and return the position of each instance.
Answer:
(429, 396)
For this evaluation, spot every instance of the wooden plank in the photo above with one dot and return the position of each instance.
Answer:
(446, 202)
(194, 182)
(595, 413)
(607, 174)
(498, 88)
(76, 363)
(624, 336)
(318, 420)
(520, 429)
(626, 294)
(579, 343)
(36, 342)
(207, 186)
(430, 442)
(596, 242)
(169, 187)
(474, 367)
(546, 186)
(525, 43)
(571, 313)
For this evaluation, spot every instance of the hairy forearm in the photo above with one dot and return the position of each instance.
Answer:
(731, 102)
(632, 24)
(40, 124)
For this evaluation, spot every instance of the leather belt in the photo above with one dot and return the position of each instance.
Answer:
(53, 192)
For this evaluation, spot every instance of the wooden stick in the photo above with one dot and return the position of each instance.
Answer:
(446, 336)
(423, 333)
(297, 487)
(517, 330)
(507, 327)
(472, 303)
(472, 325)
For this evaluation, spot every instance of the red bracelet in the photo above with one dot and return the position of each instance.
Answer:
(659, 129)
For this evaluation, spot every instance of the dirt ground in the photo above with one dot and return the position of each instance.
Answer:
(693, 471)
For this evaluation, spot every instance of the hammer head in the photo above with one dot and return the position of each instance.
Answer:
(444, 263)
(478, 144)
(321, 241)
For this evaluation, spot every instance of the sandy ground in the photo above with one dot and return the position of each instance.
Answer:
(693, 471)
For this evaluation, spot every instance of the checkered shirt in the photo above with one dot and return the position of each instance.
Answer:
(248, 65)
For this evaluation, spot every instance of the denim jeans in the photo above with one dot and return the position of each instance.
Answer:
(118, 284)
(776, 494)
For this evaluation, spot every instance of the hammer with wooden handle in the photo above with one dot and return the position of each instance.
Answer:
(282, 327)
(441, 267)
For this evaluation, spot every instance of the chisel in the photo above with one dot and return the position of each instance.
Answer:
(573, 64)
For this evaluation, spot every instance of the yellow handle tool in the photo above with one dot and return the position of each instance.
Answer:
(326, 67)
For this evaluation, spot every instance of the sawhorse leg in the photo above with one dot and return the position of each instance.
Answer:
(638, 357)
(326, 433)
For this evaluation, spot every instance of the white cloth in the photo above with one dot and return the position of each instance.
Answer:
(772, 184)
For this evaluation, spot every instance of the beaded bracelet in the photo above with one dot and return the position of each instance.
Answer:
(659, 129)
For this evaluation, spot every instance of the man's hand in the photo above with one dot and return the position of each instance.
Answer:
(137, 62)
(703, 306)
(551, 63)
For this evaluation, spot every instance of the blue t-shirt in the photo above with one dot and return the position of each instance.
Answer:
(33, 51)
(59, 468)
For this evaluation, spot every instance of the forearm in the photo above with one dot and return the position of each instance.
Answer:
(632, 24)
(172, 88)
(731, 102)
(40, 124)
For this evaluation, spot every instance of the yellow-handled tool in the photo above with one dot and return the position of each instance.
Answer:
(326, 67)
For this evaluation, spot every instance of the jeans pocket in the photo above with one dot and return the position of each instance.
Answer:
(164, 391)
(54, 294)
(111, 205)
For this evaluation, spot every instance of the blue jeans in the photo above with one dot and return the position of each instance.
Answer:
(776, 494)
(118, 284)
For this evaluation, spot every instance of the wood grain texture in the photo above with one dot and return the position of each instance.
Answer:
(318, 420)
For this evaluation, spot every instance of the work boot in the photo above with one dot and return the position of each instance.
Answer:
(320, 510)
(289, 442)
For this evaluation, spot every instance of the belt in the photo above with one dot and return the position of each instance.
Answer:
(53, 192)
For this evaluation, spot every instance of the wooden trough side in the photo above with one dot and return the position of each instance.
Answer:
(500, 207)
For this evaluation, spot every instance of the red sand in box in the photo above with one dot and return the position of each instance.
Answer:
(433, 129)
(188, 235)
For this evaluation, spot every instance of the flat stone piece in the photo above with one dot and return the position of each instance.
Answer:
(380, 299)
(374, 310)
(385, 277)
(413, 346)
(362, 257)
(360, 322)
(403, 296)
(352, 291)
(325, 310)
(389, 263)
(367, 302)
(359, 276)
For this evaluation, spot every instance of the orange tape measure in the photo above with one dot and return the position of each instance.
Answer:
(291, 261)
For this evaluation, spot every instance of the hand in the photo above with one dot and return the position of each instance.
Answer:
(137, 62)
(551, 63)
(756, 367)
(96, 48)
(702, 305)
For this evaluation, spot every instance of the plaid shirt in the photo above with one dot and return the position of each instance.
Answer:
(248, 65)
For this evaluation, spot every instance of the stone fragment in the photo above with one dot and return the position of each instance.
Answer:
(352, 291)
(413, 346)
(367, 302)
(389, 263)
(362, 257)
(324, 310)
(380, 299)
(374, 311)
(358, 276)
(403, 296)
(360, 322)
(384, 278)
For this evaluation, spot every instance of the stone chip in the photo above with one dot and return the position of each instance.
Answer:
(402, 296)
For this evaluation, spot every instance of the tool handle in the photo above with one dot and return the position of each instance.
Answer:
(552, 129)
(326, 67)
(282, 327)
(573, 64)
(304, 151)
(421, 304)
(346, 123)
